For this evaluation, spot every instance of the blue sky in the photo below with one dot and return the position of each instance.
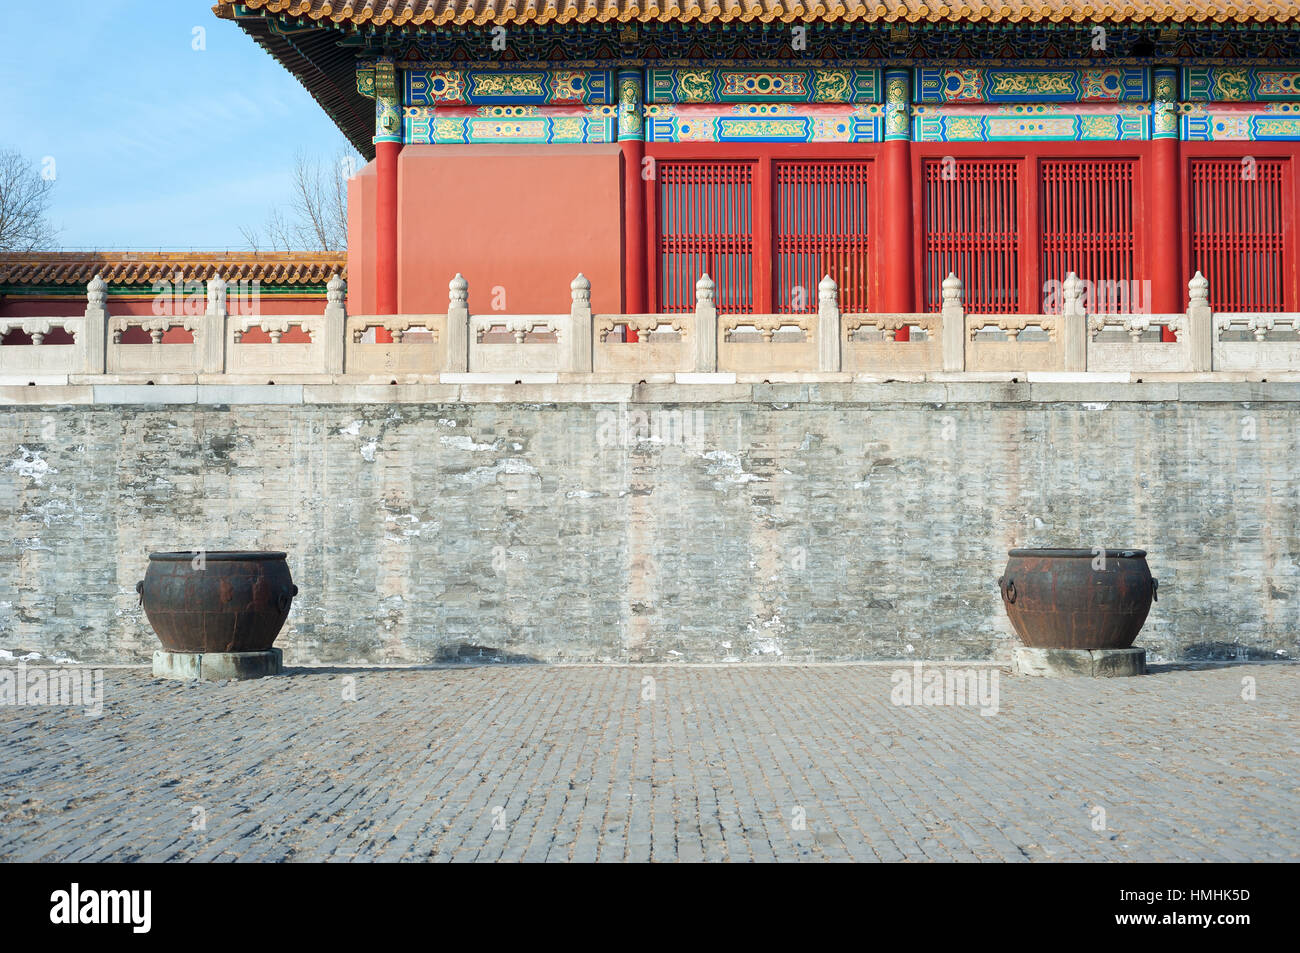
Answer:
(156, 145)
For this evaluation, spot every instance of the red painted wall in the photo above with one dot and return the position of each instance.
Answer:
(362, 190)
(17, 307)
(526, 219)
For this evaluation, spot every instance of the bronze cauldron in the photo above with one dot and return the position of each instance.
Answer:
(217, 601)
(1075, 598)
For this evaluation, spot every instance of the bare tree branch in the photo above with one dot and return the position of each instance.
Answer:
(315, 217)
(24, 203)
(279, 235)
(251, 238)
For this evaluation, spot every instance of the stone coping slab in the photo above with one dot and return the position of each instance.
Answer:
(1094, 395)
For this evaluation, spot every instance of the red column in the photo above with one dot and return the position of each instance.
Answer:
(764, 246)
(1165, 236)
(634, 260)
(631, 143)
(386, 225)
(893, 253)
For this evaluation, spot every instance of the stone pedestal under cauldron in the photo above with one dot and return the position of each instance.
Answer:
(1098, 663)
(1078, 611)
(217, 613)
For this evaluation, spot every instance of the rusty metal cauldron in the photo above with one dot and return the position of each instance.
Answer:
(217, 601)
(1075, 599)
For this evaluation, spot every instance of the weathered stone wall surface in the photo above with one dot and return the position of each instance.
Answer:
(834, 523)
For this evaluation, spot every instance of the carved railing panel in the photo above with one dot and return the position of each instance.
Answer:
(871, 344)
(664, 343)
(518, 343)
(280, 344)
(1015, 342)
(1256, 342)
(41, 346)
(761, 343)
(1134, 342)
(159, 356)
(418, 345)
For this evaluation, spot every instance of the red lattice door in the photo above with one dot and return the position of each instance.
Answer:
(971, 219)
(820, 228)
(1237, 229)
(706, 225)
(1086, 206)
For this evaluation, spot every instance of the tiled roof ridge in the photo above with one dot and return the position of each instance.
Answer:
(140, 267)
(424, 13)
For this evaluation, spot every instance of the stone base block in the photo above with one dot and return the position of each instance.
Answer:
(217, 666)
(1095, 663)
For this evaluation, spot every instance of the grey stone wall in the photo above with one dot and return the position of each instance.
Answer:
(790, 527)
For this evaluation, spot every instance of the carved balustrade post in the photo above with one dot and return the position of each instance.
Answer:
(828, 326)
(578, 352)
(457, 360)
(212, 329)
(94, 334)
(1074, 320)
(706, 327)
(1200, 323)
(953, 321)
(335, 330)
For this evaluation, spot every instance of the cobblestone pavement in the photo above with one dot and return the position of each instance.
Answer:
(655, 763)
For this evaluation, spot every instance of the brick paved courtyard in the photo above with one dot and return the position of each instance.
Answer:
(699, 763)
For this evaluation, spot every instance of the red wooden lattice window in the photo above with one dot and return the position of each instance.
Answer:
(1237, 231)
(1087, 221)
(820, 228)
(971, 219)
(706, 224)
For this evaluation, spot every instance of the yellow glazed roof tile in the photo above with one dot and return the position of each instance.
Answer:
(400, 13)
(134, 268)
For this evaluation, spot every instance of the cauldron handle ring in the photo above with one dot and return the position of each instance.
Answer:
(1008, 589)
(139, 588)
(1155, 589)
(286, 597)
